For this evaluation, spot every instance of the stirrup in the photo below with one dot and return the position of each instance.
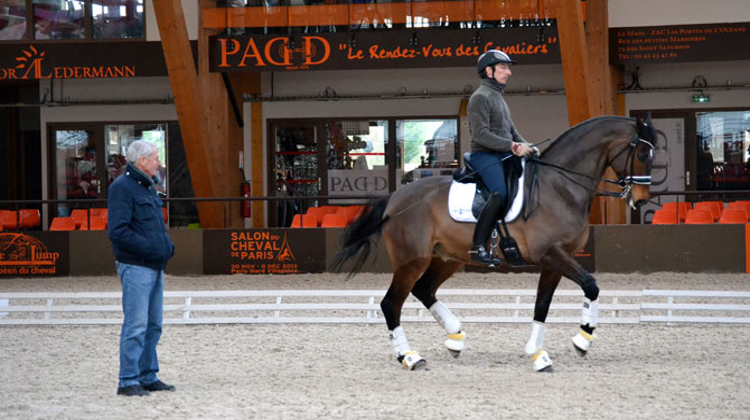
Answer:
(481, 256)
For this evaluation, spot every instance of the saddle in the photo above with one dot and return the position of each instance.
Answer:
(468, 175)
(513, 171)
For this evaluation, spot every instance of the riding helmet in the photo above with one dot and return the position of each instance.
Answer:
(490, 58)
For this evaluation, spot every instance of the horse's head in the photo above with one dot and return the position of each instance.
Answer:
(633, 163)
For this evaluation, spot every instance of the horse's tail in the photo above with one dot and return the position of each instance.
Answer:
(359, 235)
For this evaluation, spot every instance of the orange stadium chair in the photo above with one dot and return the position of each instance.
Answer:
(319, 212)
(98, 212)
(699, 217)
(9, 219)
(732, 217)
(665, 217)
(740, 205)
(80, 216)
(682, 207)
(166, 218)
(333, 220)
(29, 218)
(330, 209)
(62, 224)
(98, 223)
(713, 207)
(304, 221)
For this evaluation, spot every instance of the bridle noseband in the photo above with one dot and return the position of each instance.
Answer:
(626, 182)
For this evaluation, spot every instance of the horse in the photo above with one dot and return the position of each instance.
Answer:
(426, 247)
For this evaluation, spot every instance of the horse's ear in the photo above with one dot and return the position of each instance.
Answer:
(646, 129)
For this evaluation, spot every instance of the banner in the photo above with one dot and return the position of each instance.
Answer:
(387, 49)
(36, 254)
(264, 251)
(65, 60)
(682, 43)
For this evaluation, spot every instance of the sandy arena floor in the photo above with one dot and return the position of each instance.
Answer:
(647, 371)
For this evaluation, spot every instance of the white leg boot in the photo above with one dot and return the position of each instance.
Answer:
(456, 341)
(582, 341)
(535, 348)
(410, 359)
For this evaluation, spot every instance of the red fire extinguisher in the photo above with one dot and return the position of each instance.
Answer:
(247, 205)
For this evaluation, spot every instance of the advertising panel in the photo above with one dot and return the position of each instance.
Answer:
(264, 251)
(33, 254)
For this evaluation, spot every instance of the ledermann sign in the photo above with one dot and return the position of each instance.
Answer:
(379, 50)
(81, 61)
(38, 254)
(264, 251)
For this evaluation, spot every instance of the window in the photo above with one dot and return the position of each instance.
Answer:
(119, 137)
(723, 150)
(427, 147)
(58, 19)
(12, 19)
(117, 19)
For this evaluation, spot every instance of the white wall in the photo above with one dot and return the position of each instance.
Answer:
(623, 13)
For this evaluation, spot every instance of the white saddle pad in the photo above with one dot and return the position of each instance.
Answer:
(461, 197)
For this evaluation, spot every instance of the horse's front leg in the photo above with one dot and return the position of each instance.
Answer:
(548, 282)
(559, 260)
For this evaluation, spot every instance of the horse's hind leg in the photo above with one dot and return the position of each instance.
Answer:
(404, 278)
(559, 260)
(437, 273)
(548, 282)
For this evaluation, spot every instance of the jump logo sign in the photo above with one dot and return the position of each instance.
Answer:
(261, 253)
(23, 255)
(29, 66)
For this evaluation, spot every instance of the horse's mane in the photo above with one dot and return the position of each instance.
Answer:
(572, 131)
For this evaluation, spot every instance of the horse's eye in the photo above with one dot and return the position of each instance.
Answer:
(645, 154)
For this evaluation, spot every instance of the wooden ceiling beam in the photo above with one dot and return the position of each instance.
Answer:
(183, 78)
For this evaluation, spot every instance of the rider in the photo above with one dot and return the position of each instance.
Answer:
(493, 138)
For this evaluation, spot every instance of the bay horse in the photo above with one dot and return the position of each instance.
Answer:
(426, 246)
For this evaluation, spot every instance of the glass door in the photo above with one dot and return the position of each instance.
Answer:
(295, 170)
(78, 163)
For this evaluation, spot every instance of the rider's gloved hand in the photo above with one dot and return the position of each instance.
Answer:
(521, 149)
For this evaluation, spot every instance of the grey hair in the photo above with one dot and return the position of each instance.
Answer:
(139, 149)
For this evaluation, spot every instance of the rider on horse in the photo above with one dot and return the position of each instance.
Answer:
(493, 138)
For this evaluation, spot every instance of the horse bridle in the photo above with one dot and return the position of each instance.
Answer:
(625, 182)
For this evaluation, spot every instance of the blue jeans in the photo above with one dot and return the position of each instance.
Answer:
(489, 166)
(142, 304)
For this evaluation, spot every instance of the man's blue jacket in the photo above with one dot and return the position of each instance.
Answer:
(136, 223)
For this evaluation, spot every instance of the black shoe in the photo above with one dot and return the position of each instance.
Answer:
(133, 391)
(481, 256)
(159, 386)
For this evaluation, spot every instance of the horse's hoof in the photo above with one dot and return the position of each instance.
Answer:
(581, 352)
(454, 353)
(541, 361)
(455, 343)
(582, 342)
(548, 369)
(412, 361)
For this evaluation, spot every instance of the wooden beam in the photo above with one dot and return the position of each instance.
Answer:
(575, 61)
(190, 112)
(224, 131)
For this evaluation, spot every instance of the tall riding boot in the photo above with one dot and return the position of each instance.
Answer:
(486, 222)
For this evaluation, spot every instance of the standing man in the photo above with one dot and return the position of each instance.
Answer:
(142, 248)
(493, 138)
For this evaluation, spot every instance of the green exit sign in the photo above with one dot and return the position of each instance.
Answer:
(701, 99)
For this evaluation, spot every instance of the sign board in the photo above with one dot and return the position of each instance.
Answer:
(66, 60)
(264, 251)
(680, 43)
(380, 49)
(33, 254)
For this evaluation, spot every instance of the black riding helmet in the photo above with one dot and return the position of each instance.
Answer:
(490, 58)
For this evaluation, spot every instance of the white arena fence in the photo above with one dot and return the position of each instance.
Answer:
(362, 307)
